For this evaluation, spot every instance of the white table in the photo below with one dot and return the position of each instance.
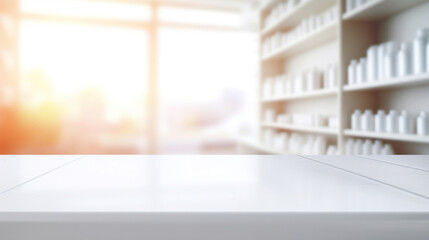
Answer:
(214, 197)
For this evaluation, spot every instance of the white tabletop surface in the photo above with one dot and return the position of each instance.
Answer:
(18, 169)
(212, 184)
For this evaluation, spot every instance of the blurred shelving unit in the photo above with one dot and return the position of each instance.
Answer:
(412, 138)
(259, 147)
(295, 16)
(347, 38)
(306, 129)
(323, 35)
(305, 95)
(399, 82)
(378, 9)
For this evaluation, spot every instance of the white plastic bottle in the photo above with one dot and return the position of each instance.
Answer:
(367, 121)
(423, 124)
(349, 147)
(332, 150)
(332, 74)
(351, 72)
(404, 60)
(381, 51)
(355, 120)
(357, 149)
(405, 123)
(361, 71)
(299, 84)
(367, 147)
(390, 65)
(419, 51)
(319, 146)
(350, 5)
(392, 122)
(376, 147)
(380, 121)
(427, 57)
(387, 150)
(270, 115)
(372, 66)
(390, 60)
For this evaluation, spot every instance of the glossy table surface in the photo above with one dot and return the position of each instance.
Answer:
(214, 184)
(229, 190)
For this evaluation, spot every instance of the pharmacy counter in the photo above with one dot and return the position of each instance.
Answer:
(215, 197)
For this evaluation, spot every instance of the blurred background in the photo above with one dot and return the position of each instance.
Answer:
(310, 77)
(127, 77)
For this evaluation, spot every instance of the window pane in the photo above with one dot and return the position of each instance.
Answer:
(200, 17)
(207, 94)
(83, 88)
(89, 9)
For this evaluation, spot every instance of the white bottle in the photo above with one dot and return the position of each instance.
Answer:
(381, 51)
(309, 78)
(392, 122)
(390, 60)
(357, 149)
(387, 150)
(423, 124)
(404, 60)
(332, 150)
(376, 147)
(332, 75)
(355, 120)
(319, 146)
(361, 71)
(299, 84)
(270, 115)
(351, 72)
(390, 65)
(367, 147)
(350, 5)
(427, 57)
(419, 49)
(367, 121)
(349, 147)
(380, 121)
(372, 66)
(405, 123)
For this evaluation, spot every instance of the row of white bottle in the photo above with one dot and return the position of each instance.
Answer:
(298, 143)
(355, 4)
(367, 147)
(390, 60)
(301, 119)
(306, 81)
(281, 9)
(309, 25)
(391, 122)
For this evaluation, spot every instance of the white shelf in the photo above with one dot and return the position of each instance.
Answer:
(308, 129)
(312, 94)
(391, 83)
(268, 4)
(378, 9)
(252, 143)
(295, 16)
(323, 35)
(388, 136)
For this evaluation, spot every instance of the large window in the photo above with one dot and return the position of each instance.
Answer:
(89, 79)
(83, 87)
